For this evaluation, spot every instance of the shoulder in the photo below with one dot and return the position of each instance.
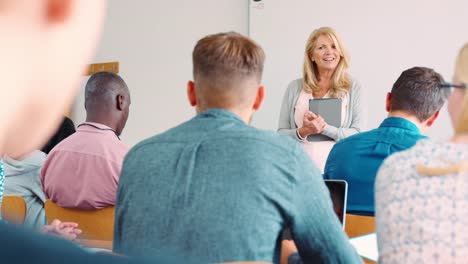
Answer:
(122, 147)
(248, 138)
(264, 137)
(401, 164)
(346, 147)
(422, 149)
(362, 136)
(355, 85)
(37, 157)
(294, 87)
(70, 140)
(143, 145)
(355, 93)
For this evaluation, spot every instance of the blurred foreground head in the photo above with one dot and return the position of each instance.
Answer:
(45, 46)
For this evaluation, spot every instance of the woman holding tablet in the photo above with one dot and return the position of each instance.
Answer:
(325, 75)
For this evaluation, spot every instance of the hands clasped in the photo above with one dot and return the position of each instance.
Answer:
(313, 124)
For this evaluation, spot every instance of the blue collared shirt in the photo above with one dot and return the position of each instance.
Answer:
(218, 190)
(357, 159)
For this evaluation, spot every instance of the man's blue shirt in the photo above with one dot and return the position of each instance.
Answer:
(357, 159)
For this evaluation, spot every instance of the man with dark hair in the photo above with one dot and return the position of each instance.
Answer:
(413, 105)
(218, 189)
(83, 170)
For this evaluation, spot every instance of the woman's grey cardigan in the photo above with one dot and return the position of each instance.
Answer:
(353, 123)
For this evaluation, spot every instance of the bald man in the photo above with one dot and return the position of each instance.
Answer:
(83, 170)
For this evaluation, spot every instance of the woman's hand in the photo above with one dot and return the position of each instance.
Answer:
(312, 124)
(67, 230)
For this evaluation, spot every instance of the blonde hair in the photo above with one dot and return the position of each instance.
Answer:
(461, 74)
(341, 83)
(461, 127)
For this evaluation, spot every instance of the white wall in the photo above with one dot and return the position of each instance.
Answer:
(153, 41)
(383, 38)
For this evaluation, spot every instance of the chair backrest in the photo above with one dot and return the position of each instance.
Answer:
(95, 224)
(13, 209)
(358, 225)
(246, 262)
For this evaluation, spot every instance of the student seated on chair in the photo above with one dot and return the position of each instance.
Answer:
(83, 170)
(22, 177)
(421, 194)
(37, 85)
(413, 105)
(217, 188)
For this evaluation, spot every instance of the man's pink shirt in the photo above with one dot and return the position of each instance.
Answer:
(83, 170)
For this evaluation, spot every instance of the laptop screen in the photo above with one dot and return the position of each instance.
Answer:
(338, 193)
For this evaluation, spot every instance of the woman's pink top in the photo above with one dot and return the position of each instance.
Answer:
(318, 150)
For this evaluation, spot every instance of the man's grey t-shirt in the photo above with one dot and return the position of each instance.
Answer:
(219, 190)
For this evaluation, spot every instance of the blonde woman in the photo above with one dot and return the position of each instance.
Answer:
(324, 76)
(422, 193)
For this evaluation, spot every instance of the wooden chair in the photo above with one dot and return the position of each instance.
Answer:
(358, 225)
(13, 209)
(95, 224)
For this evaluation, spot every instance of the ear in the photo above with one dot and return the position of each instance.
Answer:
(191, 94)
(431, 119)
(58, 11)
(120, 100)
(311, 57)
(259, 98)
(388, 102)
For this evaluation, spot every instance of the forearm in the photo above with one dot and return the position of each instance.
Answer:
(285, 124)
(338, 133)
(299, 134)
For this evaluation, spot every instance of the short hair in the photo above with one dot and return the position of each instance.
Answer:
(221, 62)
(418, 92)
(461, 126)
(341, 82)
(66, 129)
(102, 86)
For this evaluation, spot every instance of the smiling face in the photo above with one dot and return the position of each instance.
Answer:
(325, 54)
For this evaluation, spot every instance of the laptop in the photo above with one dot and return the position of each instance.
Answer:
(339, 193)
